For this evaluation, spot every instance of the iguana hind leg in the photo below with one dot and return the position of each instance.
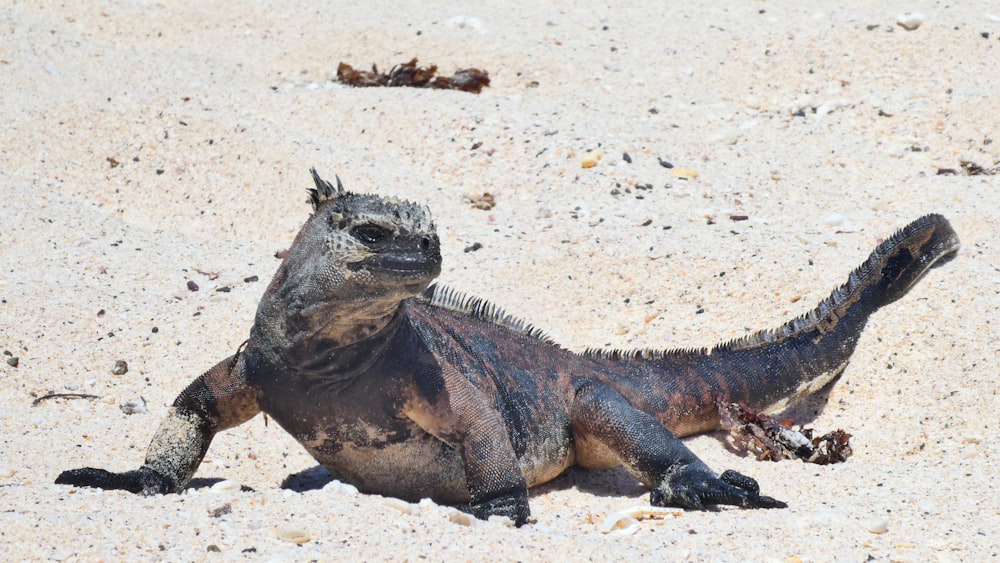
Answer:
(607, 430)
(217, 400)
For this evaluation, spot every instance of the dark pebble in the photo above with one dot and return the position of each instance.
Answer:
(224, 289)
(664, 163)
(120, 367)
(473, 247)
(13, 361)
(192, 286)
(250, 279)
(626, 157)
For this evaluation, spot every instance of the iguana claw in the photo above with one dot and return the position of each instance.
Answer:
(512, 506)
(143, 481)
(696, 488)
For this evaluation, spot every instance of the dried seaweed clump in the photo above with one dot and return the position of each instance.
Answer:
(970, 168)
(774, 440)
(409, 74)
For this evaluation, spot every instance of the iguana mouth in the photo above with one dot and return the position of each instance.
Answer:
(404, 266)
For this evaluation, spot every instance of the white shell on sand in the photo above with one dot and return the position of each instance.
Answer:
(910, 20)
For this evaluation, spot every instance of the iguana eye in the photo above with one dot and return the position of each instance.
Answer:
(370, 233)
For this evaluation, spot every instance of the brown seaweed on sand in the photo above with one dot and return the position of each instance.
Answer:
(774, 440)
(409, 74)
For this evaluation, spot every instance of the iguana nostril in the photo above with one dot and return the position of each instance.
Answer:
(425, 243)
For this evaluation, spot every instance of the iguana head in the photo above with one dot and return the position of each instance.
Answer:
(385, 244)
(352, 263)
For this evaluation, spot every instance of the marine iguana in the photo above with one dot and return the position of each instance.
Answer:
(411, 390)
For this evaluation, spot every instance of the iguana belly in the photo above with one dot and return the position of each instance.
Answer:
(419, 467)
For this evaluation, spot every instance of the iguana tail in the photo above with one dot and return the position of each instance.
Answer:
(772, 368)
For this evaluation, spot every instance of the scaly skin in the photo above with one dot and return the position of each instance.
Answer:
(414, 391)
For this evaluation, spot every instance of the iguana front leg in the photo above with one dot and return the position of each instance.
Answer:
(608, 430)
(217, 400)
(450, 408)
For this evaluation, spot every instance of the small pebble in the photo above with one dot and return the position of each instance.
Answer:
(221, 511)
(591, 159)
(910, 20)
(120, 367)
(13, 361)
(664, 163)
(134, 407)
(292, 534)
(627, 157)
(192, 286)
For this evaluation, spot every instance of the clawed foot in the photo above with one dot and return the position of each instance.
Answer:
(696, 488)
(512, 506)
(143, 481)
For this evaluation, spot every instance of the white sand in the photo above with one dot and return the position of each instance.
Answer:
(214, 116)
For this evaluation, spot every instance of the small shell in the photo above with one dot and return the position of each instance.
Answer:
(462, 518)
(620, 523)
(227, 486)
(402, 505)
(879, 526)
(685, 173)
(910, 20)
(500, 521)
(644, 512)
(339, 488)
(292, 534)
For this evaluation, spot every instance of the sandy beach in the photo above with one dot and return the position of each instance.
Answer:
(148, 149)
